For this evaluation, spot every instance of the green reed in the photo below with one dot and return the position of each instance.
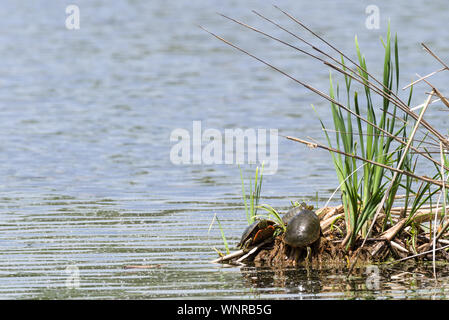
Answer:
(254, 196)
(362, 192)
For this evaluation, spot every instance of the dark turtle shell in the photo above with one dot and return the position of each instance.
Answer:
(303, 229)
(293, 212)
(256, 232)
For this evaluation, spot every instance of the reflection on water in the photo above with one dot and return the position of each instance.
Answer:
(86, 182)
(403, 281)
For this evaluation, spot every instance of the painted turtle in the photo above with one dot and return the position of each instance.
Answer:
(256, 232)
(303, 227)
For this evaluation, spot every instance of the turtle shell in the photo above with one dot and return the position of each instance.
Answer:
(293, 212)
(257, 232)
(303, 229)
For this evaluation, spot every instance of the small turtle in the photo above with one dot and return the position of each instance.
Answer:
(256, 232)
(303, 228)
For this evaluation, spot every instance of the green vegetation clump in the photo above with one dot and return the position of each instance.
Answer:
(379, 142)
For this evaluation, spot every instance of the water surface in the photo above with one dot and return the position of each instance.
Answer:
(87, 185)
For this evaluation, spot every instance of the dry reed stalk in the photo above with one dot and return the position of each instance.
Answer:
(424, 77)
(418, 254)
(399, 166)
(404, 107)
(325, 224)
(230, 256)
(390, 96)
(388, 236)
(321, 146)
